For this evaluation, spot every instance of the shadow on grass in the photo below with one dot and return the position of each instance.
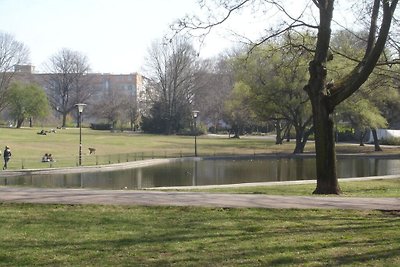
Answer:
(154, 236)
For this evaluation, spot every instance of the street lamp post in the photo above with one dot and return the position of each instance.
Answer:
(80, 107)
(195, 115)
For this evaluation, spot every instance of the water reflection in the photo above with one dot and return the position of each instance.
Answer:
(207, 172)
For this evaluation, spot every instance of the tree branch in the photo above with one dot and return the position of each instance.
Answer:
(361, 72)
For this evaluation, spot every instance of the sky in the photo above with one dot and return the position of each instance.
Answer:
(114, 34)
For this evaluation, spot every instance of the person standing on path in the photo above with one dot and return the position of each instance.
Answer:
(7, 156)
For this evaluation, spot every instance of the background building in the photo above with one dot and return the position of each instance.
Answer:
(108, 92)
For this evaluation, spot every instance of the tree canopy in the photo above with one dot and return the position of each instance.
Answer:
(27, 101)
(276, 74)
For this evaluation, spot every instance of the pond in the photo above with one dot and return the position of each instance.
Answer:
(195, 171)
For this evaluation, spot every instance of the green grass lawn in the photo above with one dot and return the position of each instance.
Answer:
(28, 147)
(100, 235)
(106, 235)
(90, 235)
(372, 188)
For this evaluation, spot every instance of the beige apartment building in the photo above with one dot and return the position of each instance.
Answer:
(102, 85)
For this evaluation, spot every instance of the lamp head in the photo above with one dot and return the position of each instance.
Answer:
(195, 113)
(80, 107)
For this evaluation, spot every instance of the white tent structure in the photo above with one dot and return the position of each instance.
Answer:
(384, 134)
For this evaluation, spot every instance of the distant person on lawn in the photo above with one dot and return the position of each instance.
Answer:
(7, 156)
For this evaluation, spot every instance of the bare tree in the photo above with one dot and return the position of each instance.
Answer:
(215, 88)
(116, 105)
(324, 95)
(12, 53)
(172, 69)
(68, 81)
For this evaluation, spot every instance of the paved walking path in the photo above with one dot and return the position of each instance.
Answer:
(151, 198)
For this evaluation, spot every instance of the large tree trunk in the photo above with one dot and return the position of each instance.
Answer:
(327, 182)
(322, 109)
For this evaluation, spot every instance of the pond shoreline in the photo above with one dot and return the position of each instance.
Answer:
(87, 169)
(151, 162)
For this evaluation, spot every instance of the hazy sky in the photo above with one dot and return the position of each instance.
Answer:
(113, 34)
(116, 34)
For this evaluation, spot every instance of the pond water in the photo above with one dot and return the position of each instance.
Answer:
(189, 172)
